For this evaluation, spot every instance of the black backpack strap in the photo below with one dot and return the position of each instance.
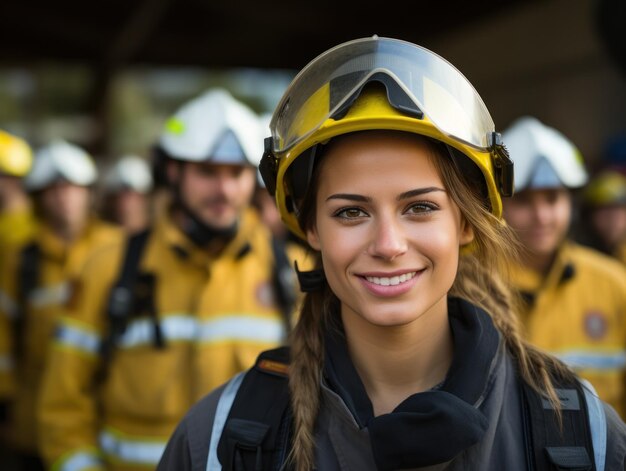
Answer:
(122, 298)
(283, 280)
(255, 433)
(552, 445)
(27, 279)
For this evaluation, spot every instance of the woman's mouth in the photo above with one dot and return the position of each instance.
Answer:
(392, 284)
(390, 280)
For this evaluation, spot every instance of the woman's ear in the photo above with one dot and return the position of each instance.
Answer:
(313, 239)
(467, 233)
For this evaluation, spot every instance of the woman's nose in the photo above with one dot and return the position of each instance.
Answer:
(388, 240)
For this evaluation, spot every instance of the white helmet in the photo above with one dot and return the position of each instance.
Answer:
(61, 160)
(129, 172)
(214, 127)
(543, 157)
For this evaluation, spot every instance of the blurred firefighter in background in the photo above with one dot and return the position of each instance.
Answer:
(603, 221)
(35, 281)
(126, 192)
(17, 222)
(176, 310)
(574, 296)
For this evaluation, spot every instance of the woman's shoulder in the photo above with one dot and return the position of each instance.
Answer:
(248, 394)
(203, 411)
(188, 447)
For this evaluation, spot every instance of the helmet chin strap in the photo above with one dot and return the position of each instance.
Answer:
(198, 231)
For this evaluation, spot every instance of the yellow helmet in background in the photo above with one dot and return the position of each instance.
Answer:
(605, 189)
(16, 156)
(379, 83)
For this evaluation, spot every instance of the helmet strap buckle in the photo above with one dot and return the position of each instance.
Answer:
(502, 164)
(268, 167)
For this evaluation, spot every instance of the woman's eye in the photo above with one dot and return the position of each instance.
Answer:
(350, 213)
(421, 208)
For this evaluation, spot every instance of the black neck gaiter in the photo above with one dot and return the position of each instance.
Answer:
(200, 233)
(434, 426)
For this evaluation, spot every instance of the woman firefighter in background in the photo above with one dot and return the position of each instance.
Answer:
(407, 352)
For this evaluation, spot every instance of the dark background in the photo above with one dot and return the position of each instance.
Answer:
(83, 63)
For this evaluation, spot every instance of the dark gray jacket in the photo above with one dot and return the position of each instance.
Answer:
(343, 446)
(482, 364)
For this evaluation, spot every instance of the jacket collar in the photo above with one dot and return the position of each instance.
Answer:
(54, 248)
(184, 248)
(562, 269)
(414, 434)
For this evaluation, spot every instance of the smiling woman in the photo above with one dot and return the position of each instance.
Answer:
(387, 231)
(407, 352)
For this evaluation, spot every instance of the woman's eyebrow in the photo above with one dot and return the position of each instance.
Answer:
(366, 199)
(418, 191)
(349, 196)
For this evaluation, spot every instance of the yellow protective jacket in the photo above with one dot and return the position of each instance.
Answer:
(16, 227)
(578, 312)
(22, 360)
(620, 252)
(214, 316)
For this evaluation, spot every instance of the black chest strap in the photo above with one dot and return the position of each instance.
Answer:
(551, 446)
(133, 292)
(256, 429)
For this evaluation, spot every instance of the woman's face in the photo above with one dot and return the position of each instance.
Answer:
(388, 232)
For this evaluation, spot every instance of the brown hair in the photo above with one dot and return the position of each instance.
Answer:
(480, 279)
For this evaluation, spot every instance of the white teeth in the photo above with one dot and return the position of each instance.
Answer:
(390, 281)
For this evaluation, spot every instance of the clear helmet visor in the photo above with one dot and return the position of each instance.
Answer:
(434, 86)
